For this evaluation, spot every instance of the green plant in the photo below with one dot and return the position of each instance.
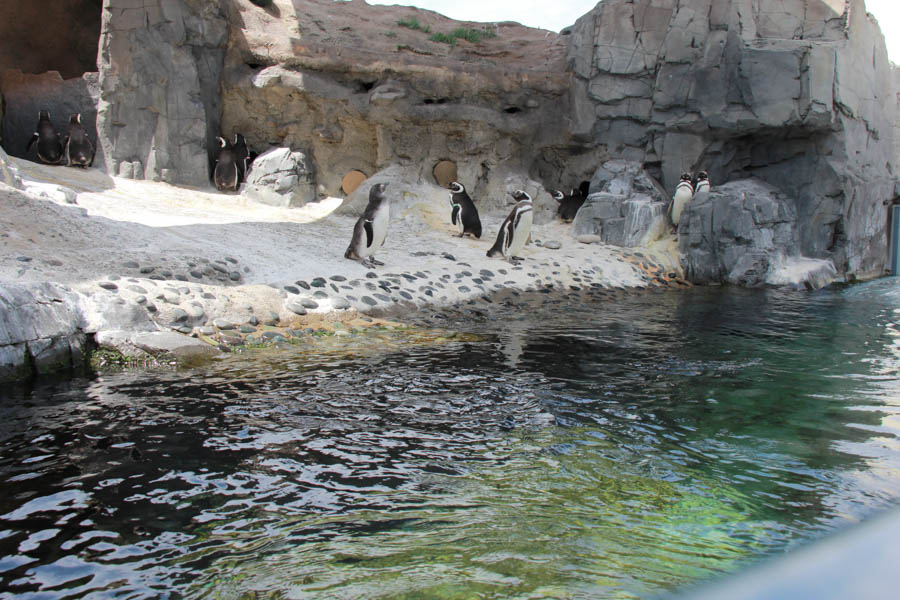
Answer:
(443, 38)
(470, 34)
(391, 34)
(413, 23)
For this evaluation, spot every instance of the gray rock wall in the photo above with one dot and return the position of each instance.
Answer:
(160, 103)
(796, 92)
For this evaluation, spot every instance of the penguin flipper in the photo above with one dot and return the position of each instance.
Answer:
(370, 235)
(34, 138)
(454, 214)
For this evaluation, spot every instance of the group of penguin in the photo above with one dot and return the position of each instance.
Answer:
(371, 228)
(685, 191)
(233, 161)
(75, 149)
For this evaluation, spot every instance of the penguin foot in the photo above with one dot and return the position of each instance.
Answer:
(515, 260)
(375, 262)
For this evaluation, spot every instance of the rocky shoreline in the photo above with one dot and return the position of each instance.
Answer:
(86, 268)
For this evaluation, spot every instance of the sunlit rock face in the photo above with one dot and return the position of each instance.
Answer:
(798, 93)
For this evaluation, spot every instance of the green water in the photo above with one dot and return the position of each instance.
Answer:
(600, 445)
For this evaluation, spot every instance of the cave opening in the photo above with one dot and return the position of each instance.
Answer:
(48, 61)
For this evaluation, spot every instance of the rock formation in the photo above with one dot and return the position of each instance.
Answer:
(798, 94)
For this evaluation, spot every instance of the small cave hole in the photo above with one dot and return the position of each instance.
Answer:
(511, 110)
(445, 172)
(352, 180)
(434, 101)
(364, 87)
(254, 66)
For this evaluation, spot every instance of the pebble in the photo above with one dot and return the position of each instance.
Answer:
(234, 276)
(320, 295)
(406, 295)
(181, 277)
(166, 274)
(247, 329)
(448, 256)
(272, 320)
(130, 264)
(382, 297)
(340, 303)
(552, 245)
(296, 307)
(208, 296)
(179, 315)
(291, 289)
(371, 275)
(368, 300)
(206, 330)
(307, 303)
(231, 260)
(108, 285)
(194, 311)
(151, 308)
(589, 239)
(318, 282)
(223, 324)
(24, 259)
(54, 262)
(146, 270)
(464, 289)
(196, 274)
(141, 299)
(253, 320)
(337, 278)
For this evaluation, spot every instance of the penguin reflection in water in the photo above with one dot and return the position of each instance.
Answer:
(516, 229)
(49, 147)
(371, 228)
(684, 191)
(463, 213)
(77, 146)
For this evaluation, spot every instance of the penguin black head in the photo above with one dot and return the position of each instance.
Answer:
(686, 176)
(377, 192)
(520, 195)
(456, 187)
(702, 175)
(558, 195)
(239, 139)
(222, 142)
(75, 119)
(44, 115)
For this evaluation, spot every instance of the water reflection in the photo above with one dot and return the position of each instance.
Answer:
(599, 445)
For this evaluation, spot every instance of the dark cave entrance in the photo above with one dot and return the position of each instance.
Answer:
(892, 264)
(48, 60)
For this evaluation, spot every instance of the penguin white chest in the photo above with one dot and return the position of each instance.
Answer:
(521, 231)
(683, 194)
(379, 228)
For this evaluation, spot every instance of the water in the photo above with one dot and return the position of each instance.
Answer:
(602, 446)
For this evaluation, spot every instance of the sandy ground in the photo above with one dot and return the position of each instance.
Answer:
(214, 255)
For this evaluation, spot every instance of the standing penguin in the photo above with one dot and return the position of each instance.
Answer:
(371, 228)
(463, 213)
(516, 229)
(568, 205)
(702, 182)
(49, 148)
(241, 155)
(226, 176)
(684, 191)
(78, 148)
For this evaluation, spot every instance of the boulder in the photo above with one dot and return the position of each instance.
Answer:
(626, 208)
(746, 233)
(281, 177)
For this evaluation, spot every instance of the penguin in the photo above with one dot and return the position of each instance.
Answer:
(684, 191)
(568, 205)
(227, 174)
(77, 146)
(371, 228)
(242, 156)
(49, 147)
(702, 183)
(463, 213)
(515, 230)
